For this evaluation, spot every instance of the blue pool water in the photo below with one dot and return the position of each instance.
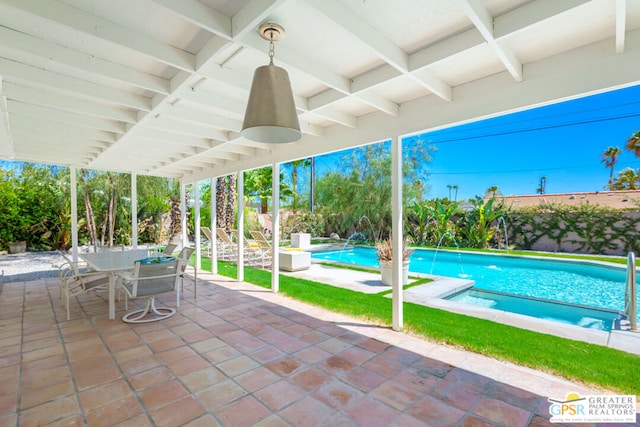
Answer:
(582, 283)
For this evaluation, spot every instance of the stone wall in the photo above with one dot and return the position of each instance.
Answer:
(585, 229)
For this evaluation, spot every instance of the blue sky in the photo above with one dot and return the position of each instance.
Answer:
(563, 142)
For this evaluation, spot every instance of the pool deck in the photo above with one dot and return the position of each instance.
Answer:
(431, 295)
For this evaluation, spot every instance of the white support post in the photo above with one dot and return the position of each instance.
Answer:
(397, 232)
(183, 215)
(240, 182)
(212, 227)
(196, 221)
(134, 211)
(275, 228)
(74, 213)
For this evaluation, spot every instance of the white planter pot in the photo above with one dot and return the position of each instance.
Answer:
(385, 271)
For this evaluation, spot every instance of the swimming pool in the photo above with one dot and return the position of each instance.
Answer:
(579, 282)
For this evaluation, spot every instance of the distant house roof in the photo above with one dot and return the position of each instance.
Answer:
(613, 199)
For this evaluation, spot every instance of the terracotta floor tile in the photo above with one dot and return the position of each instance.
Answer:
(221, 394)
(367, 412)
(8, 420)
(266, 354)
(499, 411)
(35, 379)
(206, 420)
(306, 412)
(364, 379)
(49, 412)
(91, 372)
(188, 365)
(150, 378)
(257, 378)
(243, 413)
(337, 394)
(203, 379)
(113, 412)
(164, 344)
(272, 421)
(105, 393)
(140, 364)
(285, 366)
(196, 336)
(334, 345)
(309, 379)
(435, 412)
(208, 345)
(46, 393)
(136, 421)
(8, 404)
(336, 365)
(455, 395)
(86, 348)
(395, 394)
(122, 341)
(237, 366)
(278, 395)
(163, 394)
(383, 366)
(222, 354)
(178, 413)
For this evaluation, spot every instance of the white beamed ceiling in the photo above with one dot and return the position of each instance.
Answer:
(159, 87)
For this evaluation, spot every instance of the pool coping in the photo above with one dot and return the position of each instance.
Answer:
(431, 294)
(444, 286)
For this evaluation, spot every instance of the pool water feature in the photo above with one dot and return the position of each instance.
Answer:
(580, 283)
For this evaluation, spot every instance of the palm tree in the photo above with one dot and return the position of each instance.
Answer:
(492, 192)
(542, 187)
(449, 186)
(633, 144)
(456, 187)
(304, 163)
(626, 180)
(610, 158)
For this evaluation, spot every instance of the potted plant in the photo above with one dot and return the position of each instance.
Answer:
(384, 249)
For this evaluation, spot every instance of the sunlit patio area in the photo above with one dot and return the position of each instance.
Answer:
(240, 355)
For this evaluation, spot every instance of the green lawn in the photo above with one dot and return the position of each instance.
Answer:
(574, 360)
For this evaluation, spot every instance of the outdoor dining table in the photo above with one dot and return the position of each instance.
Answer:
(113, 263)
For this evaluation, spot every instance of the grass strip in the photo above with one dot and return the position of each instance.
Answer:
(575, 360)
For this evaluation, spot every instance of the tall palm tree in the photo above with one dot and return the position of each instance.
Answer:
(302, 163)
(456, 187)
(610, 158)
(221, 201)
(542, 187)
(633, 144)
(449, 186)
(492, 191)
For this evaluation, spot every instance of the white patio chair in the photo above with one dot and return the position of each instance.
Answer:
(184, 256)
(73, 280)
(148, 281)
(264, 246)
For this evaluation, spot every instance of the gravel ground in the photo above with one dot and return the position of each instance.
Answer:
(29, 266)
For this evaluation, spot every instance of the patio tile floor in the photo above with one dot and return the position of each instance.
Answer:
(239, 355)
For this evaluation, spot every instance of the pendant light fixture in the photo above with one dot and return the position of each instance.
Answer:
(271, 115)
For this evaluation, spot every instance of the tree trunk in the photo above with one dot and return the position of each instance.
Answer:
(231, 201)
(88, 210)
(221, 199)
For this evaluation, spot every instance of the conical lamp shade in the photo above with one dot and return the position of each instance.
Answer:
(271, 115)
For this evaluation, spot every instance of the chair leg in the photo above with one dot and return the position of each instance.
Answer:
(160, 313)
